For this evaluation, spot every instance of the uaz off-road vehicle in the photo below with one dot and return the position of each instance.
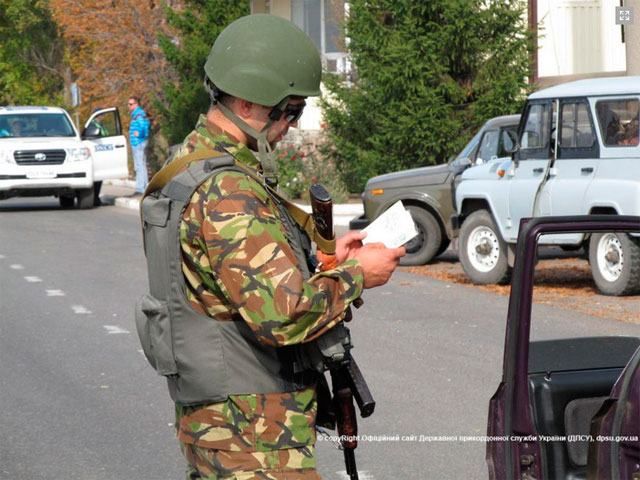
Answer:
(428, 192)
(577, 153)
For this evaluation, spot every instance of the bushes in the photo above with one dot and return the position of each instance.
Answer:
(301, 167)
(196, 24)
(426, 76)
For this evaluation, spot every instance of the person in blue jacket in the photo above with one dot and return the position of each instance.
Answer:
(139, 138)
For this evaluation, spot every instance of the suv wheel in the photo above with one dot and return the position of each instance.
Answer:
(97, 186)
(85, 198)
(67, 201)
(425, 245)
(615, 263)
(482, 251)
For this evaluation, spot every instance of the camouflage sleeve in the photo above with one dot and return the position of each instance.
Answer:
(257, 270)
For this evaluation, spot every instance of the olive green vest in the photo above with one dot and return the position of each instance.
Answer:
(204, 359)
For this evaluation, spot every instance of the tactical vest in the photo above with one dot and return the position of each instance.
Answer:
(204, 359)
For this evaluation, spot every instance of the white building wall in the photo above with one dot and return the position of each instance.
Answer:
(280, 8)
(312, 119)
(632, 39)
(579, 37)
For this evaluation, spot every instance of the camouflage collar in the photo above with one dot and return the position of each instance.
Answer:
(211, 136)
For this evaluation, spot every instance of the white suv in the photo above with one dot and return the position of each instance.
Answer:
(42, 153)
(577, 153)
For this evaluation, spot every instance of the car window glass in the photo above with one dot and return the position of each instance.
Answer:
(618, 122)
(576, 130)
(36, 125)
(106, 124)
(536, 130)
(488, 146)
(507, 143)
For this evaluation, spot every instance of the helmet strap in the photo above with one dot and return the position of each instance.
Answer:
(265, 153)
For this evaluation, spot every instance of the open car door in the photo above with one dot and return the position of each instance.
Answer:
(565, 409)
(103, 135)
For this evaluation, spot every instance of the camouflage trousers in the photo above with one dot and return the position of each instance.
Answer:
(210, 464)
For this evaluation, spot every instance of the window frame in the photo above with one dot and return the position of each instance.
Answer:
(600, 132)
(540, 153)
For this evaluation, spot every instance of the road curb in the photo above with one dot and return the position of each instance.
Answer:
(132, 203)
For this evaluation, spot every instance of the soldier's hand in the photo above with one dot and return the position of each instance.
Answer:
(378, 263)
(348, 245)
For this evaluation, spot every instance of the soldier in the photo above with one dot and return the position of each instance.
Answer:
(245, 408)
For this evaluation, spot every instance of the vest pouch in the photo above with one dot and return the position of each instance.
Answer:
(154, 329)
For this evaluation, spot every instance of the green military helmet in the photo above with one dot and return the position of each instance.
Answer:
(264, 59)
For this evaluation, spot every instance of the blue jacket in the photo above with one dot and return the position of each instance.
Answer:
(139, 123)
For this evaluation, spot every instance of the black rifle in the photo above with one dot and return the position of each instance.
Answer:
(346, 379)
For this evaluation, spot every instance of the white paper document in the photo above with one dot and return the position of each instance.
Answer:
(394, 227)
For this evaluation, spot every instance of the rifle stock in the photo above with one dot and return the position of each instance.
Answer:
(322, 210)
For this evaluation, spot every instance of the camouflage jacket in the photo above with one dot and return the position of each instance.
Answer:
(237, 261)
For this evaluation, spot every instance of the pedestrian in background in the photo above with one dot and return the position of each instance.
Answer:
(139, 138)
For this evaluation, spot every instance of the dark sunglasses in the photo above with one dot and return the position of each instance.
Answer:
(292, 112)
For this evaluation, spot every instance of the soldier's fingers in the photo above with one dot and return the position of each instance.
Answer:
(375, 246)
(353, 236)
(401, 251)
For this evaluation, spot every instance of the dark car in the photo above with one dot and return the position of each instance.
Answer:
(428, 192)
(568, 408)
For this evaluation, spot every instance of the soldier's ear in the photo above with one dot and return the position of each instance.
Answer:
(245, 109)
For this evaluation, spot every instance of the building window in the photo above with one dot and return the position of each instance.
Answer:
(322, 21)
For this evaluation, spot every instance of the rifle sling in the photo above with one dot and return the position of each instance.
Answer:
(302, 218)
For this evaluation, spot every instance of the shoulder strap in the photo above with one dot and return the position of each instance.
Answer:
(169, 171)
(302, 218)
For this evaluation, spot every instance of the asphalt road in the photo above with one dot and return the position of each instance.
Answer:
(78, 400)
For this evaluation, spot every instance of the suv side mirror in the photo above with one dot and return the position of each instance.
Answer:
(464, 162)
(92, 131)
(459, 165)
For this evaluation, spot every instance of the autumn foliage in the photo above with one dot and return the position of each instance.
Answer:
(112, 49)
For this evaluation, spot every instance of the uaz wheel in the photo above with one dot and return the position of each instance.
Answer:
(615, 263)
(482, 251)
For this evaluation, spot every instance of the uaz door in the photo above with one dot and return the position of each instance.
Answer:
(532, 161)
(575, 165)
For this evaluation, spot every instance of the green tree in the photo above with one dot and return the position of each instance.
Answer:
(197, 25)
(426, 74)
(31, 54)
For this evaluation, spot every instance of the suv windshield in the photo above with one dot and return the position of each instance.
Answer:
(35, 125)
